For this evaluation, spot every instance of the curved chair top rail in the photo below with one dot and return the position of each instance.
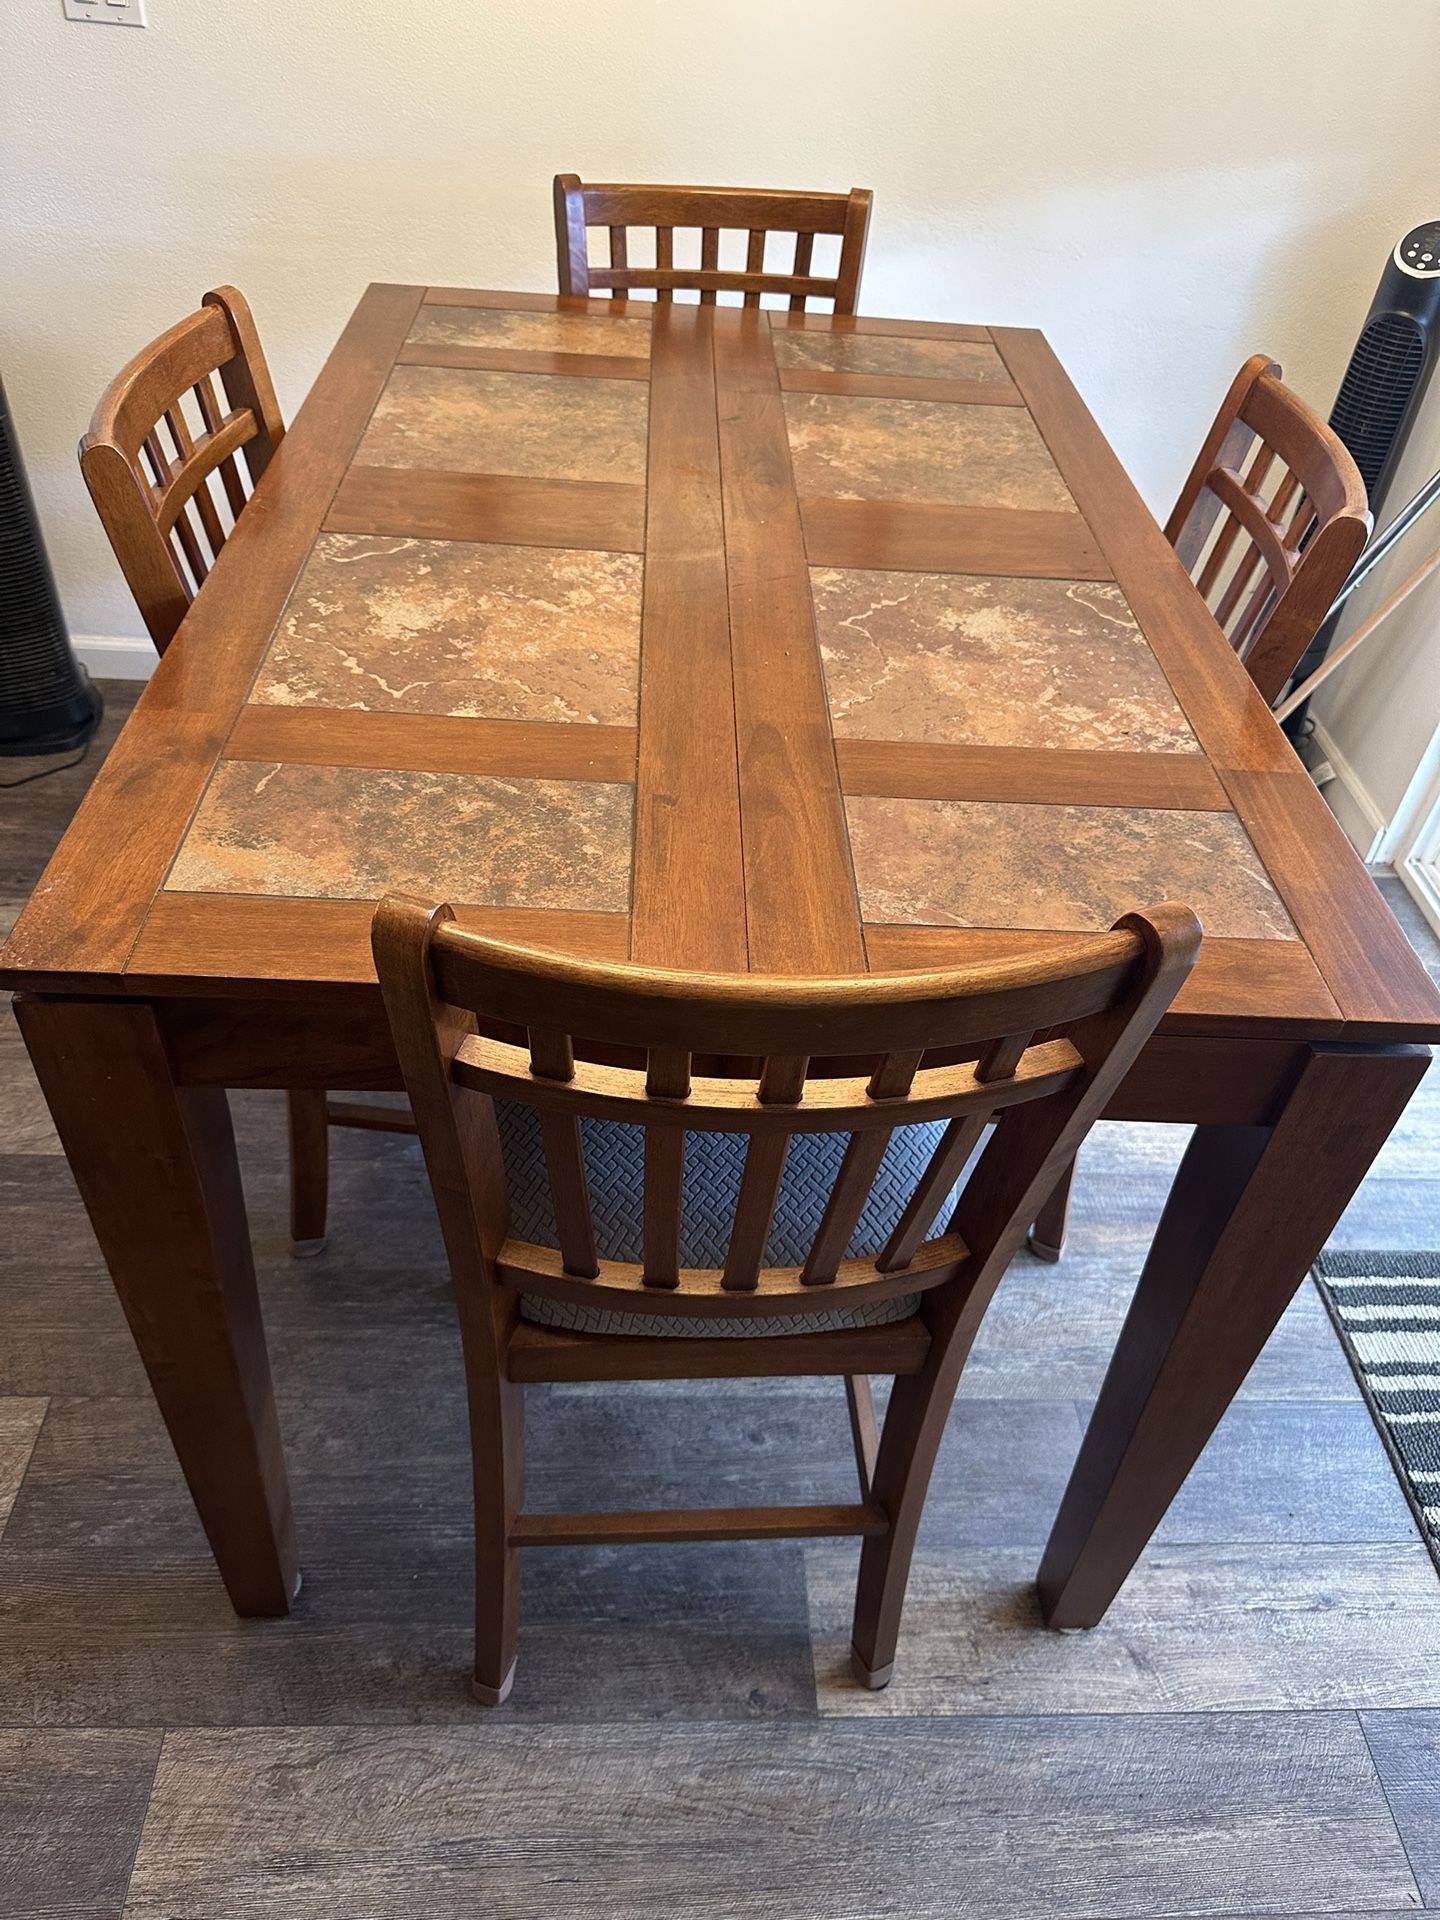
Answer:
(759, 1014)
(756, 211)
(155, 501)
(1270, 522)
(1052, 1034)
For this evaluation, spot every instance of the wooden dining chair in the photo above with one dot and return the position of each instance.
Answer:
(855, 1062)
(757, 212)
(1269, 524)
(170, 463)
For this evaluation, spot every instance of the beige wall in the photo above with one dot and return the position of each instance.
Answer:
(1162, 187)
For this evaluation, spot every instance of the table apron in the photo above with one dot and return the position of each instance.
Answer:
(345, 1044)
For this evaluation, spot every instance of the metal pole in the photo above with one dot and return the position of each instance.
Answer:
(1383, 542)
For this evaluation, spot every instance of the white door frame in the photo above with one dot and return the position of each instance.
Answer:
(1413, 838)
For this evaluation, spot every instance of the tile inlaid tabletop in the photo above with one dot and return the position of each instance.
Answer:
(990, 662)
(719, 639)
(463, 421)
(967, 456)
(459, 627)
(349, 833)
(881, 353)
(980, 863)
(492, 327)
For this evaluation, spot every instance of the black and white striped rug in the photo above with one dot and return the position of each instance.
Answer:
(1386, 1309)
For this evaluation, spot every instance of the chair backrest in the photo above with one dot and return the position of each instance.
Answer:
(151, 470)
(1270, 522)
(1037, 1043)
(757, 212)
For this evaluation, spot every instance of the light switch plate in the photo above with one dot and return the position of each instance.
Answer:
(107, 13)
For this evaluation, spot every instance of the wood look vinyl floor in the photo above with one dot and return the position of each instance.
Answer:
(1254, 1730)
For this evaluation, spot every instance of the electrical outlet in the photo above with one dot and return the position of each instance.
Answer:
(107, 13)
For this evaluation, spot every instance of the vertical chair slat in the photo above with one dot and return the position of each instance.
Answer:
(159, 462)
(1002, 1057)
(1239, 582)
(212, 414)
(1258, 470)
(1286, 491)
(891, 1080)
(957, 1143)
(234, 486)
(665, 260)
(759, 1190)
(1219, 553)
(709, 260)
(1243, 628)
(570, 1192)
(190, 546)
(552, 1057)
(179, 432)
(782, 1083)
(664, 1192)
(755, 261)
(842, 1210)
(1304, 521)
(552, 1054)
(782, 1079)
(804, 252)
(667, 1073)
(619, 249)
(209, 518)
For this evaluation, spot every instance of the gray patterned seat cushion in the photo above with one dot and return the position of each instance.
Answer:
(614, 1163)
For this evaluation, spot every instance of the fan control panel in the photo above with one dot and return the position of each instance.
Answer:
(1419, 252)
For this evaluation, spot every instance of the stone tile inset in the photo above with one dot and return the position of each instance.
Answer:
(991, 662)
(541, 425)
(983, 863)
(448, 626)
(354, 833)
(889, 354)
(515, 332)
(851, 448)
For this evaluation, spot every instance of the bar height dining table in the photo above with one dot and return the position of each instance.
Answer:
(728, 641)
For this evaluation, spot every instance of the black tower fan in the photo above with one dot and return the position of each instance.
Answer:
(1384, 384)
(47, 703)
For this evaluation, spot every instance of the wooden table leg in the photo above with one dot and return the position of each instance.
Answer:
(156, 1168)
(1250, 1209)
(1052, 1223)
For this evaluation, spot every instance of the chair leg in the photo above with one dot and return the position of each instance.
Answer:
(910, 1439)
(1047, 1236)
(309, 1171)
(497, 1434)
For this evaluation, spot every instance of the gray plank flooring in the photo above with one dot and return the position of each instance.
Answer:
(1406, 1749)
(19, 1428)
(1255, 1729)
(1023, 1817)
(71, 1807)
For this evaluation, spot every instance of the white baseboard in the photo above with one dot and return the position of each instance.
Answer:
(108, 657)
(1351, 801)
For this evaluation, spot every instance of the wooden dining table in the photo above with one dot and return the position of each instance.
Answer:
(728, 641)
